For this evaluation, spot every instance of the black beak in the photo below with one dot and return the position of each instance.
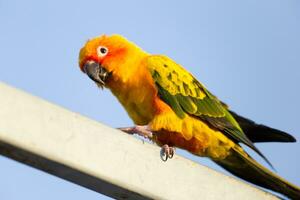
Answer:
(96, 72)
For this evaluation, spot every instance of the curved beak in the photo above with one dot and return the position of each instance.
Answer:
(96, 72)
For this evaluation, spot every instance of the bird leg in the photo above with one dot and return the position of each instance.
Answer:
(143, 131)
(167, 152)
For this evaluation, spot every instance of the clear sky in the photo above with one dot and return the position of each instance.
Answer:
(245, 52)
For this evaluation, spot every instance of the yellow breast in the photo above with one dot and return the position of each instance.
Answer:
(137, 95)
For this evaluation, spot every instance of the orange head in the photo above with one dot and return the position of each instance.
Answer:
(108, 56)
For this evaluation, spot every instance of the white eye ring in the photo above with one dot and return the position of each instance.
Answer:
(102, 51)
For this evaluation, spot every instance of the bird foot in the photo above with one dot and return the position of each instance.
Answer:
(143, 131)
(167, 152)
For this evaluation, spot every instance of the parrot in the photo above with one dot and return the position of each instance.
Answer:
(172, 108)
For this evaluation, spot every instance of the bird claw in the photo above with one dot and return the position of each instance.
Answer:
(167, 152)
(140, 130)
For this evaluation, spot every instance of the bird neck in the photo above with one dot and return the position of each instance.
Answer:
(136, 92)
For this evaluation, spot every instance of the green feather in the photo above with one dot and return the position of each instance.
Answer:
(172, 101)
(187, 103)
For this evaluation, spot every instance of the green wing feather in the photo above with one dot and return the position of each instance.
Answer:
(185, 95)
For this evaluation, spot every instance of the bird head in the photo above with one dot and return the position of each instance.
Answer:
(103, 58)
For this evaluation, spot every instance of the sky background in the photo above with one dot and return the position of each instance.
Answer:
(245, 52)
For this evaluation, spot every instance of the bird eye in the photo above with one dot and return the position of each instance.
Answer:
(102, 51)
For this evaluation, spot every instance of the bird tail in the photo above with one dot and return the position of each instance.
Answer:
(242, 165)
(261, 133)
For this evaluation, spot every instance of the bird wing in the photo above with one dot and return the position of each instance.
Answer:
(187, 96)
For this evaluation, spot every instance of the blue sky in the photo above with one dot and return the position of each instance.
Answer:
(245, 52)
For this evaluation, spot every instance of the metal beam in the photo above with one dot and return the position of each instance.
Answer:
(85, 152)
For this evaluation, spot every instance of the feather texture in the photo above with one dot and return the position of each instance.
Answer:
(186, 95)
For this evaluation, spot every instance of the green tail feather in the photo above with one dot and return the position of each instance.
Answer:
(243, 166)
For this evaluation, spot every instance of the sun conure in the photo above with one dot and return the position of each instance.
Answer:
(171, 107)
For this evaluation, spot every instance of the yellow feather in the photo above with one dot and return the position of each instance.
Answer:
(213, 143)
(178, 76)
